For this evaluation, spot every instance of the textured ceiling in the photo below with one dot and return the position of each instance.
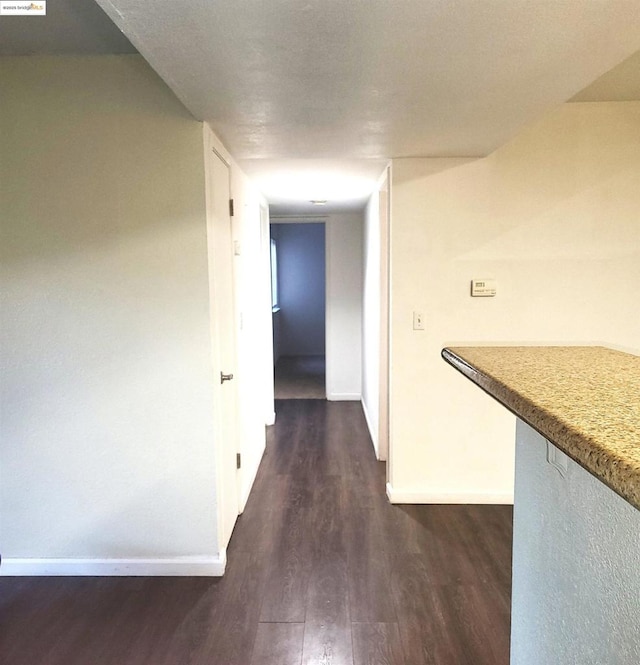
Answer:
(374, 79)
(337, 87)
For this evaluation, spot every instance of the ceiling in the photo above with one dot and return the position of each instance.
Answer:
(331, 89)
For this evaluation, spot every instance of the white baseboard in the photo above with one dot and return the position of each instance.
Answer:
(422, 497)
(271, 419)
(187, 566)
(344, 397)
(372, 431)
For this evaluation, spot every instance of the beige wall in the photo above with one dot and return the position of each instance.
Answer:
(553, 217)
(107, 428)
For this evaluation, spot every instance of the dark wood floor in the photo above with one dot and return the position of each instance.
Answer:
(322, 570)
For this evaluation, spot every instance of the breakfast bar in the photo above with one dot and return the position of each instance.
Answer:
(576, 533)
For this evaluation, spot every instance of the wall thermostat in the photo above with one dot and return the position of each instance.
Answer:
(483, 288)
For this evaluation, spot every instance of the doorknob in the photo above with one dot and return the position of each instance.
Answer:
(225, 377)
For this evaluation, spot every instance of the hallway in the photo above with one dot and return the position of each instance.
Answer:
(322, 570)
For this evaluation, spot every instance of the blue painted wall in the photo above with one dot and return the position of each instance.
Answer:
(300, 324)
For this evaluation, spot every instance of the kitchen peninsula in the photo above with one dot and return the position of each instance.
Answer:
(576, 552)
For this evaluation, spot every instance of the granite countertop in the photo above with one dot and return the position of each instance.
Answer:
(585, 400)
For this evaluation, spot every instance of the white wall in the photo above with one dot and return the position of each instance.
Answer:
(553, 217)
(107, 425)
(276, 323)
(576, 564)
(344, 233)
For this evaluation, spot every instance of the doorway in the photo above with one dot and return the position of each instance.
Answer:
(298, 263)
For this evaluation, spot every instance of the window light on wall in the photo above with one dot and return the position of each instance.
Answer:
(274, 275)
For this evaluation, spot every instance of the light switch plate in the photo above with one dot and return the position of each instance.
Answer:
(418, 321)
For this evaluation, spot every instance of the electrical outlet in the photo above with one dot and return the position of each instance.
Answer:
(418, 321)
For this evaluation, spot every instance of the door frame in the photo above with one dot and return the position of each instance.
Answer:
(384, 213)
(312, 219)
(384, 379)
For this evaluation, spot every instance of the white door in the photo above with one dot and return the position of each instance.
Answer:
(223, 327)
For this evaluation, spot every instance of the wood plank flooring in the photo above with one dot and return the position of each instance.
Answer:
(322, 571)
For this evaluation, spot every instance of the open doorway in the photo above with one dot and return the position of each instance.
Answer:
(298, 260)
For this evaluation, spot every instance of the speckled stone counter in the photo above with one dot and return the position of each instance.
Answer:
(585, 400)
